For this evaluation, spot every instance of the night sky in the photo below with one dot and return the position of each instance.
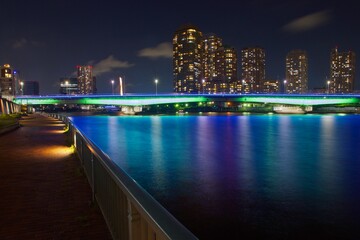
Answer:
(46, 40)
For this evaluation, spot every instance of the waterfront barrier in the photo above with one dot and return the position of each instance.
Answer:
(129, 211)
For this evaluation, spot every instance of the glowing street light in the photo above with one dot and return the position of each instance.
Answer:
(203, 85)
(328, 86)
(22, 88)
(285, 86)
(242, 85)
(67, 87)
(112, 87)
(156, 83)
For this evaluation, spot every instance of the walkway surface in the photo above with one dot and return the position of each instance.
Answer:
(43, 191)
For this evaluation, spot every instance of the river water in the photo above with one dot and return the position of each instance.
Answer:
(243, 176)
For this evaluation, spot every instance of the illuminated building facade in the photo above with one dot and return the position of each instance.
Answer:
(226, 70)
(342, 71)
(86, 80)
(69, 86)
(187, 59)
(296, 73)
(7, 83)
(211, 44)
(252, 70)
(271, 86)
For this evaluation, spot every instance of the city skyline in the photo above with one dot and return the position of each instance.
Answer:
(46, 41)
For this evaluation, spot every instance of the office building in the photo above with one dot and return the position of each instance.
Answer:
(86, 80)
(271, 86)
(30, 88)
(296, 73)
(252, 70)
(187, 59)
(69, 86)
(7, 84)
(342, 71)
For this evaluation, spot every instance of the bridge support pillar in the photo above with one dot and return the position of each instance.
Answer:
(2, 103)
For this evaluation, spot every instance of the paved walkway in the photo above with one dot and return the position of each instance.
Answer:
(43, 191)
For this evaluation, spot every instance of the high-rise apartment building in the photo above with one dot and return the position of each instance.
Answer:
(211, 44)
(187, 59)
(342, 71)
(253, 70)
(7, 84)
(296, 73)
(86, 80)
(225, 70)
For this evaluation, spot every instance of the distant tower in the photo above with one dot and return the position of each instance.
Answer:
(86, 81)
(7, 83)
(187, 59)
(296, 72)
(253, 70)
(342, 71)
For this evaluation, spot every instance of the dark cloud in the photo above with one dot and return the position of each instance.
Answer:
(20, 43)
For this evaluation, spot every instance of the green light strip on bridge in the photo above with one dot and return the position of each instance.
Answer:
(299, 101)
(37, 101)
(124, 101)
(140, 101)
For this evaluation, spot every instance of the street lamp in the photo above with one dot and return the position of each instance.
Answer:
(67, 87)
(328, 86)
(22, 88)
(156, 82)
(203, 86)
(242, 85)
(285, 86)
(112, 87)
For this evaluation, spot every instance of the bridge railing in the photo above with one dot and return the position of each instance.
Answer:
(129, 211)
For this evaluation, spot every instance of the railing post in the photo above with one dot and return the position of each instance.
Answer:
(134, 221)
(93, 177)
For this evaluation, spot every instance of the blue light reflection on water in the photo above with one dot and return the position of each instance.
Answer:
(255, 176)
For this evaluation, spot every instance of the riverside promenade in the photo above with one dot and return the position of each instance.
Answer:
(44, 193)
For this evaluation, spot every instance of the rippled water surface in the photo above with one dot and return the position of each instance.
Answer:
(253, 176)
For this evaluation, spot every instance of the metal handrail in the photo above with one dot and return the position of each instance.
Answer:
(150, 209)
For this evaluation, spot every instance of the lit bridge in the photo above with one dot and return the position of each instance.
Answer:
(145, 100)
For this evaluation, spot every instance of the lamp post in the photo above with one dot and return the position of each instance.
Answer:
(22, 88)
(67, 87)
(328, 87)
(243, 85)
(203, 86)
(285, 86)
(156, 83)
(112, 87)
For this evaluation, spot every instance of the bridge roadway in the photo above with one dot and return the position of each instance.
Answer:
(152, 99)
